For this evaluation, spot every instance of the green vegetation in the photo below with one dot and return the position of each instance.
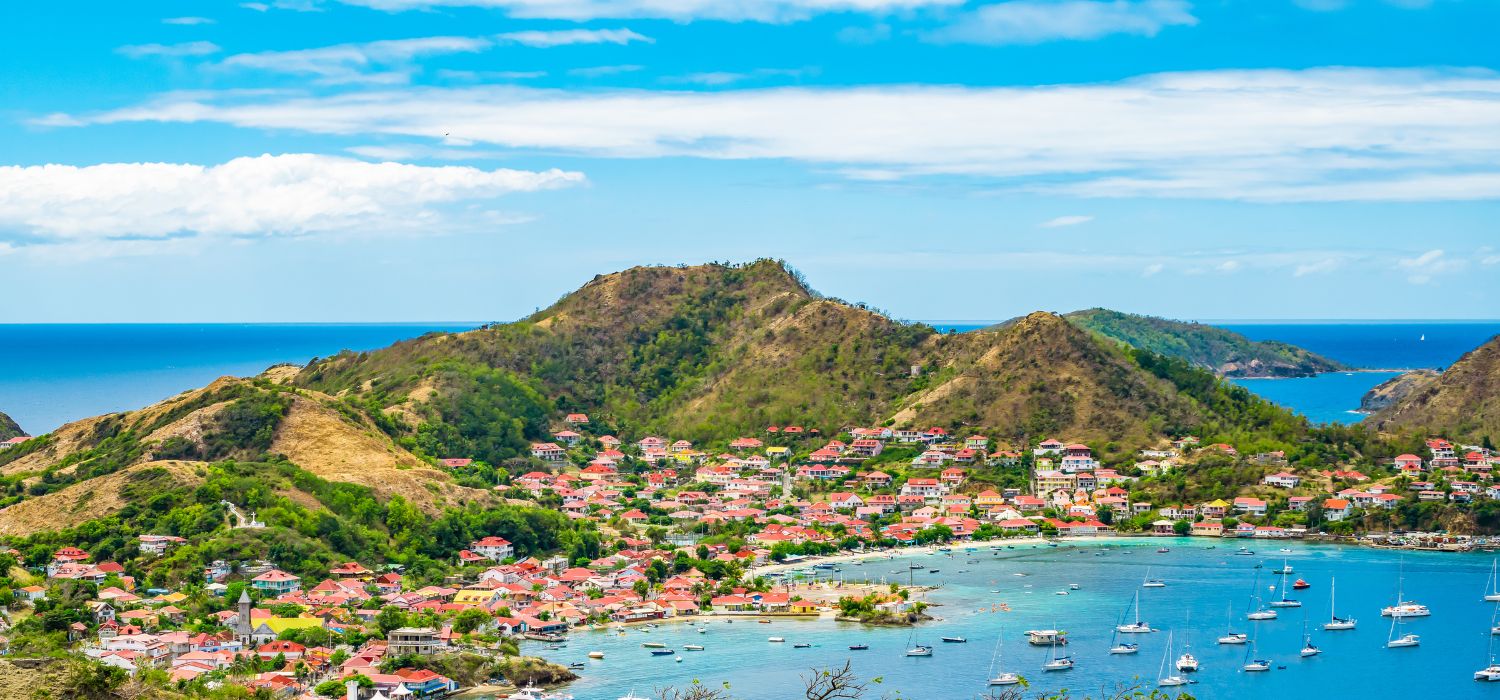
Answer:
(9, 428)
(350, 523)
(1221, 351)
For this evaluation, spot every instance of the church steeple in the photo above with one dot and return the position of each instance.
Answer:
(242, 628)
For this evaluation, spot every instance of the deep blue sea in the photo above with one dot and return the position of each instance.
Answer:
(51, 374)
(1208, 590)
(1370, 345)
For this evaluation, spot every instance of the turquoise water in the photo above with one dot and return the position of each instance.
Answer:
(1203, 587)
(1327, 398)
(54, 373)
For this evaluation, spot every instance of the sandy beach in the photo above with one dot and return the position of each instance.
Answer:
(903, 552)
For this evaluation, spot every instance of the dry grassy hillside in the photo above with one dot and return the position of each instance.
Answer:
(1463, 402)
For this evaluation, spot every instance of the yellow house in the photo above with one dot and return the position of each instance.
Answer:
(473, 597)
(804, 606)
(778, 451)
(282, 624)
(989, 499)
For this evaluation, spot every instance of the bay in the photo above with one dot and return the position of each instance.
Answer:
(1208, 590)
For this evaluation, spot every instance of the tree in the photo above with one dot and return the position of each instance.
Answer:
(335, 688)
(470, 620)
(833, 684)
(390, 618)
(1182, 527)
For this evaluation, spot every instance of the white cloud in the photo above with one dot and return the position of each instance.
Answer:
(283, 195)
(567, 37)
(1036, 21)
(191, 48)
(872, 34)
(719, 78)
(681, 10)
(382, 61)
(1228, 266)
(1153, 269)
(601, 71)
(1062, 221)
(392, 60)
(1315, 267)
(187, 21)
(1266, 135)
(1421, 261)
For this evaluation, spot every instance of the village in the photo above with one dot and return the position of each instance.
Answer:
(694, 533)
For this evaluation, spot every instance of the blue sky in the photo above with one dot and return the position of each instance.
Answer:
(369, 160)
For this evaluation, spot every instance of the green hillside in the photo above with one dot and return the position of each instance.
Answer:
(1221, 351)
(9, 428)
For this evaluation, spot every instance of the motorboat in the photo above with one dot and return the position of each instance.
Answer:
(858, 647)
(776, 640)
(596, 655)
(1072, 586)
(692, 647)
(662, 652)
(1300, 585)
(954, 640)
(653, 645)
(801, 645)
(1243, 552)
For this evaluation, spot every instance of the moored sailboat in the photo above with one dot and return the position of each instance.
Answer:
(1001, 677)
(1161, 678)
(1336, 623)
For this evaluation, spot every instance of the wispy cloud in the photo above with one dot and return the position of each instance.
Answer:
(394, 60)
(1268, 135)
(1153, 269)
(566, 37)
(1037, 21)
(187, 21)
(1424, 268)
(602, 71)
(729, 78)
(191, 48)
(285, 195)
(1313, 267)
(1062, 221)
(357, 62)
(680, 10)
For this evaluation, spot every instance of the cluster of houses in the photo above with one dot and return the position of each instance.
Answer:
(1070, 493)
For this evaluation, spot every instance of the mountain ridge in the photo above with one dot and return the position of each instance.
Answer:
(9, 428)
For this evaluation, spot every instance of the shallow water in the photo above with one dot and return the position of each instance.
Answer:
(1204, 586)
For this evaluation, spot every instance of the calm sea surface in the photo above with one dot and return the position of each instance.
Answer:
(52, 374)
(1208, 590)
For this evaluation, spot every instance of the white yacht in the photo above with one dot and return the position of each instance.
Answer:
(1308, 648)
(998, 677)
(1405, 640)
(1335, 623)
(1488, 673)
(1161, 678)
(1231, 636)
(1259, 611)
(1404, 608)
(1283, 601)
(1187, 663)
(1139, 626)
(919, 650)
(1058, 663)
(1152, 582)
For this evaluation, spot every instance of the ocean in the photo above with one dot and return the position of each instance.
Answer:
(51, 374)
(1208, 591)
